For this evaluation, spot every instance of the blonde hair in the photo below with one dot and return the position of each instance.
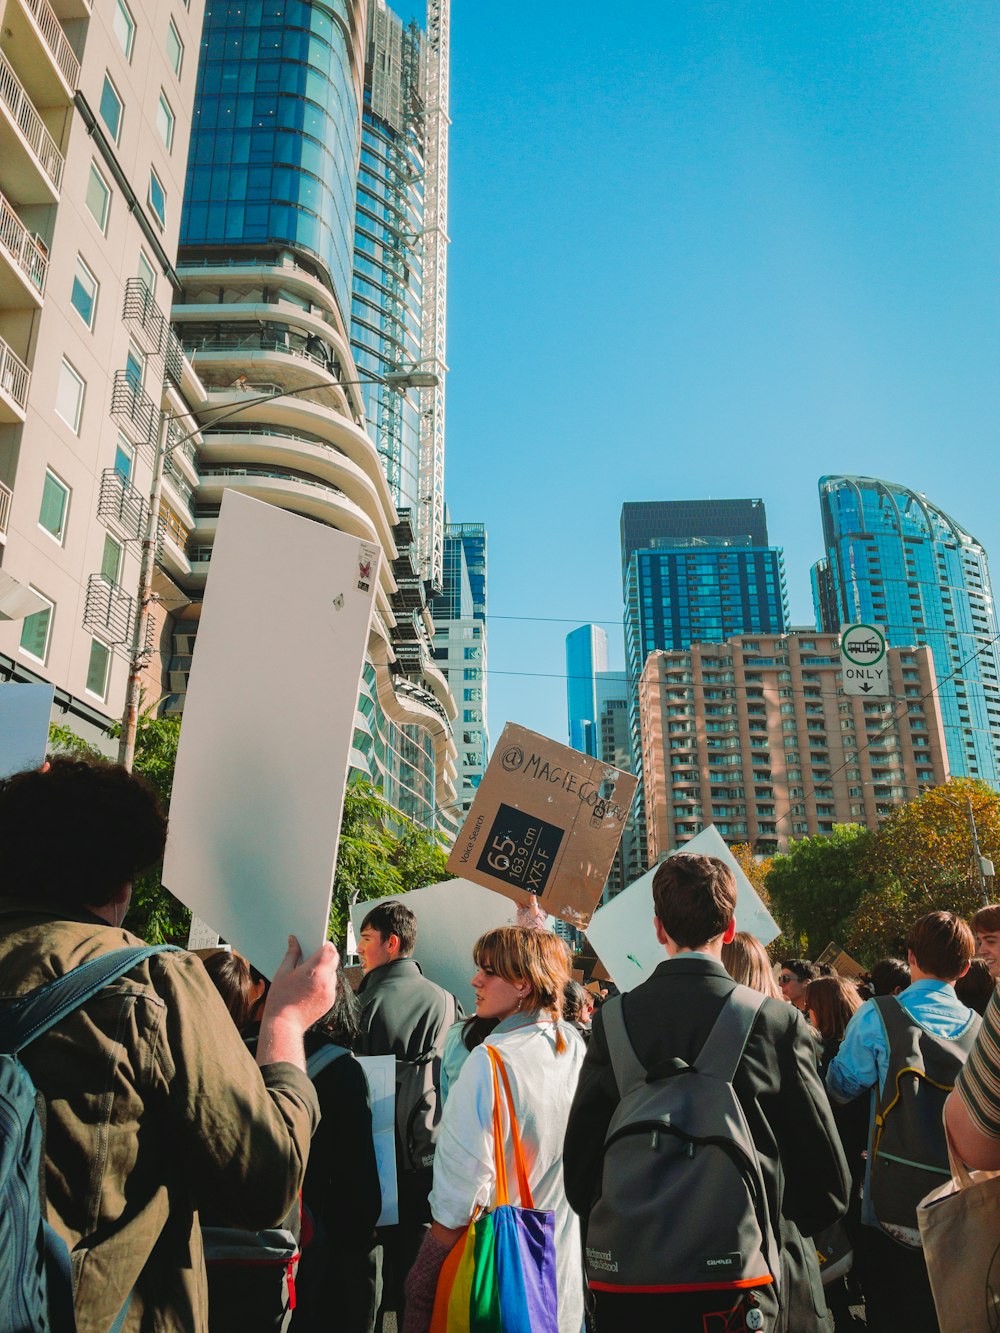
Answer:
(535, 958)
(746, 962)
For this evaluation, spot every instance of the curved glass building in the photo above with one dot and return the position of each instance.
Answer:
(896, 560)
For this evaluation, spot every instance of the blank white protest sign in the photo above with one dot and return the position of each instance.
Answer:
(268, 725)
(24, 726)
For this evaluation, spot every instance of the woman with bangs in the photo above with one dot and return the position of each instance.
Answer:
(519, 982)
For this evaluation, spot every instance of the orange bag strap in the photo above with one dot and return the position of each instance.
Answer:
(524, 1188)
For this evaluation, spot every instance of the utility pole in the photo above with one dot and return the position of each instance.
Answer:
(976, 855)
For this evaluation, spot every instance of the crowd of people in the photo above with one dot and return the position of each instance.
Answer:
(190, 1093)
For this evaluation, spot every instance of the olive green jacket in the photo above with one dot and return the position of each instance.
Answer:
(154, 1107)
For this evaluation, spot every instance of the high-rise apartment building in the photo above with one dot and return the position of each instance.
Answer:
(894, 559)
(460, 649)
(267, 262)
(586, 658)
(95, 114)
(693, 571)
(756, 737)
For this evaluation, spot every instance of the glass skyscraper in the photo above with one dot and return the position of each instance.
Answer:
(694, 571)
(896, 560)
(586, 657)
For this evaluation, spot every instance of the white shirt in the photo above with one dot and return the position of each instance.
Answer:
(543, 1083)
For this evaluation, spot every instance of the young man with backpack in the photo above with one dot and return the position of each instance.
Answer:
(153, 1105)
(908, 1049)
(701, 1147)
(405, 1015)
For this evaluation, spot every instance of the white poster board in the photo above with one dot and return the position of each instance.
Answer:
(24, 726)
(380, 1071)
(622, 933)
(268, 724)
(450, 918)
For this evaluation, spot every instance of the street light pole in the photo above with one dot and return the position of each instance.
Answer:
(398, 380)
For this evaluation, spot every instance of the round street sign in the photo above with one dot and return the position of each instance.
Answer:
(862, 645)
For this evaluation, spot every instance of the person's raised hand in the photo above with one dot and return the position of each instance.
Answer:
(530, 915)
(303, 989)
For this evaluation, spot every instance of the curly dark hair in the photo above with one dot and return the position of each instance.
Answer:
(78, 832)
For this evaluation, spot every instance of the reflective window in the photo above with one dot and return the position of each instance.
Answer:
(98, 668)
(147, 275)
(84, 294)
(69, 396)
(111, 106)
(111, 559)
(157, 198)
(124, 458)
(124, 27)
(165, 121)
(55, 506)
(37, 629)
(98, 197)
(175, 48)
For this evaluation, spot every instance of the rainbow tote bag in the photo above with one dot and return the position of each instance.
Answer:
(500, 1277)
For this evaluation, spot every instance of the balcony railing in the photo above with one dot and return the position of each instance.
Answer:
(24, 251)
(30, 123)
(55, 40)
(6, 495)
(14, 376)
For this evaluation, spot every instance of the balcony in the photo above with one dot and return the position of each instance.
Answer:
(47, 62)
(23, 264)
(14, 380)
(32, 168)
(6, 495)
(73, 9)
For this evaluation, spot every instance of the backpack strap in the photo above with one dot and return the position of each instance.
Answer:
(899, 1027)
(326, 1055)
(42, 1008)
(629, 1070)
(723, 1049)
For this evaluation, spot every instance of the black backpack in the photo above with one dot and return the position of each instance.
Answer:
(683, 1205)
(36, 1285)
(909, 1153)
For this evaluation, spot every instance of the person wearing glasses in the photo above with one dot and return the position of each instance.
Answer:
(794, 979)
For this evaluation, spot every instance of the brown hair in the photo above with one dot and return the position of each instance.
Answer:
(535, 958)
(987, 920)
(747, 962)
(942, 944)
(832, 1000)
(694, 897)
(231, 975)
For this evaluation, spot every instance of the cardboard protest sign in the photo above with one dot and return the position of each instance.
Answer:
(268, 726)
(546, 820)
(842, 963)
(622, 932)
(24, 726)
(450, 918)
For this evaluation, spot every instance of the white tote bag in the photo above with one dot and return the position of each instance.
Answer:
(960, 1230)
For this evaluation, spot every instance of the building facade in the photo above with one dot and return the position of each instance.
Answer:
(95, 114)
(756, 736)
(460, 650)
(693, 571)
(586, 658)
(894, 559)
(266, 267)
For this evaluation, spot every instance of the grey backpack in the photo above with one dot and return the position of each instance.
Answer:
(683, 1206)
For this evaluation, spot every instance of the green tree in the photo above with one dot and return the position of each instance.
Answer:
(817, 884)
(921, 860)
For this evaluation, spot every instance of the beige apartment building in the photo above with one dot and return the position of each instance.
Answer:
(95, 111)
(757, 737)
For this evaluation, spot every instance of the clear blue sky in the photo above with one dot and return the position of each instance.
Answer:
(710, 249)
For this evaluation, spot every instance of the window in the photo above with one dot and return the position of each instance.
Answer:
(147, 275)
(175, 49)
(135, 367)
(69, 396)
(165, 121)
(111, 559)
(37, 629)
(123, 25)
(111, 108)
(157, 198)
(98, 197)
(124, 459)
(55, 506)
(98, 668)
(84, 293)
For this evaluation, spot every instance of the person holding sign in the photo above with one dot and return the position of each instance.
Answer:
(154, 1105)
(520, 981)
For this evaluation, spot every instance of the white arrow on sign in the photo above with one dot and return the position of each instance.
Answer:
(863, 663)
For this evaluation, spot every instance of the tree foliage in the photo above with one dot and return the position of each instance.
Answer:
(817, 884)
(381, 852)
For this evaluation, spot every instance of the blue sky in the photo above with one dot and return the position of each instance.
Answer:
(710, 249)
